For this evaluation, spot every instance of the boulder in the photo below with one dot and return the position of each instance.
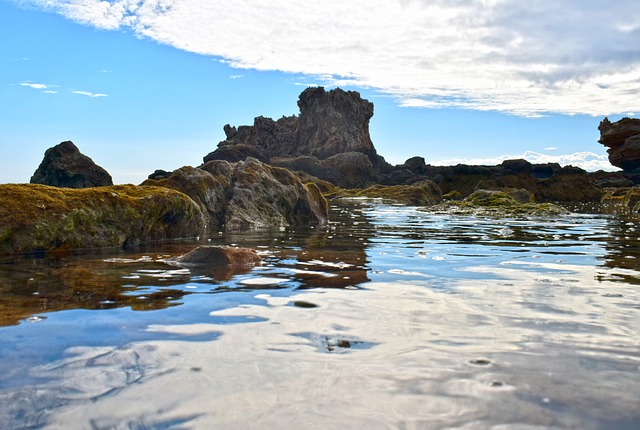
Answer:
(64, 166)
(39, 217)
(622, 138)
(248, 193)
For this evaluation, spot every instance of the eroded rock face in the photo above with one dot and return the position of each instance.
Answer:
(331, 123)
(248, 193)
(64, 166)
(622, 138)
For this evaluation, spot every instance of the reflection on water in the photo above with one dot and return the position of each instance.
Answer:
(390, 317)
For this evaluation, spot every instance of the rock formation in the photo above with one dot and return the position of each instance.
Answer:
(546, 182)
(248, 193)
(329, 139)
(64, 166)
(623, 140)
(39, 217)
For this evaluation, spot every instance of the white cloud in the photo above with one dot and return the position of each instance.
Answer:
(34, 86)
(585, 160)
(525, 58)
(550, 148)
(89, 94)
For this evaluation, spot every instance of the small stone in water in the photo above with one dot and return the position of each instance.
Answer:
(303, 304)
(612, 295)
(496, 384)
(480, 362)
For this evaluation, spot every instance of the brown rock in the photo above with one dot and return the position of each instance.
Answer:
(220, 256)
(623, 140)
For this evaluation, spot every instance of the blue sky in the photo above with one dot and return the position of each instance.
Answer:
(141, 85)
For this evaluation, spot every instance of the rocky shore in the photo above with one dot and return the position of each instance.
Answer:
(277, 173)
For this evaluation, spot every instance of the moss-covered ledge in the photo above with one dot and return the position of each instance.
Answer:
(38, 217)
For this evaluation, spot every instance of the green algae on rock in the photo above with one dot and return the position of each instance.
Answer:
(39, 217)
(421, 193)
(499, 204)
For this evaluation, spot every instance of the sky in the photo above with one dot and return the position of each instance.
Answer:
(140, 85)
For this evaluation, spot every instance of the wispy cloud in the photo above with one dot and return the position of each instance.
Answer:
(524, 58)
(34, 86)
(88, 94)
(585, 160)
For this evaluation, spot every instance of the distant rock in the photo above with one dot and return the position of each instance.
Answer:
(623, 140)
(40, 218)
(331, 123)
(64, 166)
(546, 182)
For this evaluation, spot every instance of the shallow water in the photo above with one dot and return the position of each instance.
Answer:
(390, 317)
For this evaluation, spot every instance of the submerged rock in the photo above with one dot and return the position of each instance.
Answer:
(220, 256)
(40, 217)
(64, 166)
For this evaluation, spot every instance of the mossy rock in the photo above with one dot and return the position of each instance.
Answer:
(502, 204)
(39, 217)
(423, 193)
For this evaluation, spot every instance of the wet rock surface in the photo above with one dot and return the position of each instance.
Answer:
(65, 166)
(39, 217)
(219, 256)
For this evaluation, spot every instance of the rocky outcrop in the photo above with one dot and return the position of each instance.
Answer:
(248, 193)
(39, 217)
(423, 193)
(329, 139)
(622, 138)
(64, 166)
(546, 182)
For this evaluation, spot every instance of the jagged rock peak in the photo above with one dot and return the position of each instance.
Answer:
(330, 123)
(65, 166)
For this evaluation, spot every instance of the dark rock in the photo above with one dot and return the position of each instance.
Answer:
(64, 166)
(517, 166)
(416, 165)
(220, 256)
(622, 138)
(40, 217)
(159, 174)
(237, 152)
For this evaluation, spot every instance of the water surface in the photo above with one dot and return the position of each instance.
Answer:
(390, 317)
